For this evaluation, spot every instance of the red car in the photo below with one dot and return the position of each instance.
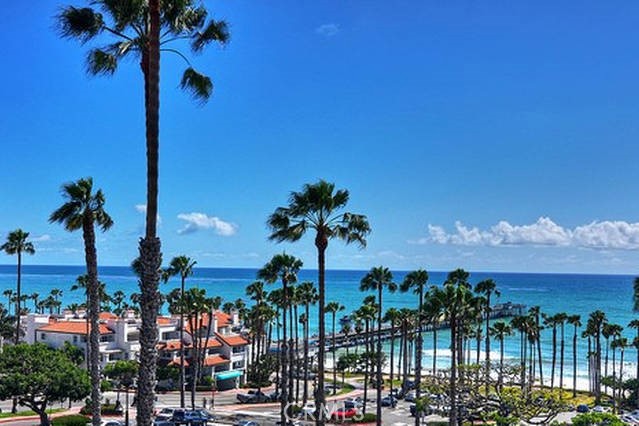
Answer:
(344, 413)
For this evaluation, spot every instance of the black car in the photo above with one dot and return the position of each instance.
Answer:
(252, 397)
(389, 401)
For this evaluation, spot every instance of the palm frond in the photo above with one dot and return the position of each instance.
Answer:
(215, 31)
(124, 12)
(198, 85)
(101, 62)
(80, 23)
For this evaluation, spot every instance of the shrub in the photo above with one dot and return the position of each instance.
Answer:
(72, 420)
(437, 424)
(366, 418)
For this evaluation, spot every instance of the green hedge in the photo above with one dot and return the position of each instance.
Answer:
(72, 420)
(366, 418)
(437, 424)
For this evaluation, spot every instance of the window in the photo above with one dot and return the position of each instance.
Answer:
(75, 339)
(43, 336)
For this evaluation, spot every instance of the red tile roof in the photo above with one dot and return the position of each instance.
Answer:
(223, 320)
(176, 362)
(214, 360)
(174, 345)
(164, 320)
(104, 316)
(72, 327)
(232, 340)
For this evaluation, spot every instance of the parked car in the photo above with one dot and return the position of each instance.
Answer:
(162, 423)
(165, 413)
(426, 412)
(355, 402)
(247, 423)
(274, 396)
(600, 409)
(252, 397)
(389, 401)
(410, 396)
(343, 413)
(110, 422)
(582, 408)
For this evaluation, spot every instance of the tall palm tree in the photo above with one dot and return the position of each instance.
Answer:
(550, 321)
(416, 281)
(392, 317)
(433, 309)
(84, 209)
(596, 322)
(377, 279)
(10, 295)
(182, 266)
(308, 296)
(635, 324)
(575, 321)
(456, 293)
(17, 244)
(285, 268)
(366, 313)
(535, 313)
(317, 208)
(143, 30)
(487, 288)
(500, 330)
(333, 308)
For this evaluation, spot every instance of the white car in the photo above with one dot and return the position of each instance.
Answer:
(600, 409)
(109, 423)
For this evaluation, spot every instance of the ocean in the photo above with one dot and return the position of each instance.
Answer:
(569, 293)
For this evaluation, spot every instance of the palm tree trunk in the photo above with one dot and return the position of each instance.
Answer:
(614, 380)
(453, 371)
(539, 357)
(94, 310)
(420, 345)
(297, 351)
(182, 369)
(334, 361)
(366, 363)
(561, 359)
(378, 357)
(392, 355)
(620, 393)
(554, 356)
(150, 246)
(487, 345)
(606, 364)
(321, 243)
(291, 354)
(305, 392)
(501, 363)
(574, 364)
(284, 356)
(18, 290)
(435, 348)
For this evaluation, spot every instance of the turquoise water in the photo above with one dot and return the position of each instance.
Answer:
(570, 293)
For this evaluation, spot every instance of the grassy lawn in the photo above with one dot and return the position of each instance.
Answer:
(343, 388)
(29, 413)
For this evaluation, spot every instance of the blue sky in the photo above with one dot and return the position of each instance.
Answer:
(488, 135)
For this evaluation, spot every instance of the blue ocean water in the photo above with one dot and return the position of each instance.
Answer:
(570, 293)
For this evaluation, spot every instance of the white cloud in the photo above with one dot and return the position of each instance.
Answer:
(196, 221)
(41, 238)
(327, 30)
(141, 208)
(619, 235)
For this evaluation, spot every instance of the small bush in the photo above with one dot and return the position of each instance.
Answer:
(72, 420)
(437, 424)
(366, 418)
(107, 409)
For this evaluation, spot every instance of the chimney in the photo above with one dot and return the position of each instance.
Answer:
(214, 321)
(235, 317)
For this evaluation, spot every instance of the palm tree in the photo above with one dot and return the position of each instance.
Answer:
(333, 308)
(182, 266)
(17, 244)
(316, 207)
(432, 309)
(416, 281)
(635, 324)
(456, 293)
(596, 322)
(10, 295)
(285, 268)
(84, 209)
(308, 296)
(144, 30)
(487, 288)
(35, 296)
(551, 321)
(535, 312)
(379, 278)
(500, 330)
(366, 313)
(392, 316)
(575, 321)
